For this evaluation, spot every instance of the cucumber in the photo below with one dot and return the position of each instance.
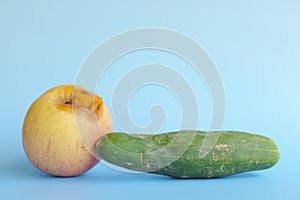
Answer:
(177, 154)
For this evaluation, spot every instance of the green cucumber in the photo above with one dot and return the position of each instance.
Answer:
(177, 154)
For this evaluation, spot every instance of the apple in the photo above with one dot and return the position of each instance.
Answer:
(61, 128)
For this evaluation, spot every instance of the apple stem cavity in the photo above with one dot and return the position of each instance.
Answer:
(68, 102)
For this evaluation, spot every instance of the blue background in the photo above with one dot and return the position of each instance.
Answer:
(254, 44)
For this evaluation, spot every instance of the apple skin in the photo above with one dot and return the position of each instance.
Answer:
(61, 128)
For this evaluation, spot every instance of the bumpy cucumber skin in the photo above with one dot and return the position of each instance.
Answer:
(234, 153)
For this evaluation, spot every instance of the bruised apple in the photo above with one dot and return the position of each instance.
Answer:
(61, 128)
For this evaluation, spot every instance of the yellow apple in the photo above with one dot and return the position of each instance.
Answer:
(61, 128)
